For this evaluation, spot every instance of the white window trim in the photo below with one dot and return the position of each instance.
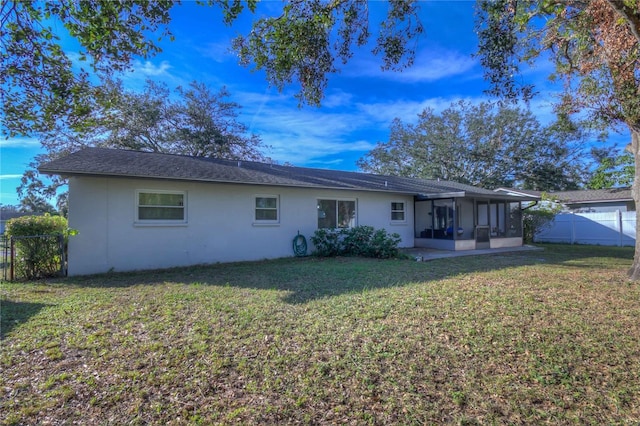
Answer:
(257, 222)
(355, 201)
(152, 222)
(391, 211)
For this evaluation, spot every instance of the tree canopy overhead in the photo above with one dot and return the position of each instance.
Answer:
(593, 44)
(304, 42)
(40, 86)
(44, 86)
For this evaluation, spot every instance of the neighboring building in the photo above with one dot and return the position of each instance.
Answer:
(536, 195)
(588, 216)
(597, 200)
(6, 215)
(139, 210)
(584, 200)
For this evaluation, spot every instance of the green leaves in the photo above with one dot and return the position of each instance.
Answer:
(303, 43)
(36, 225)
(484, 145)
(197, 122)
(192, 121)
(595, 47)
(39, 244)
(613, 169)
(498, 26)
(41, 89)
(357, 241)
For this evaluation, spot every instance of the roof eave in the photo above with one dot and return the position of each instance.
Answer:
(66, 174)
(435, 196)
(616, 200)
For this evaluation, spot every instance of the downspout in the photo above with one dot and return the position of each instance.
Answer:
(454, 227)
(535, 203)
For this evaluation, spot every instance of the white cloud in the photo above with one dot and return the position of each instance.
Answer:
(408, 111)
(305, 136)
(337, 99)
(429, 66)
(134, 78)
(316, 136)
(142, 71)
(217, 51)
(149, 69)
(4, 177)
(543, 107)
(19, 142)
(311, 150)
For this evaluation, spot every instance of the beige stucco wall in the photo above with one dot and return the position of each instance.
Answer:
(219, 228)
(506, 242)
(466, 244)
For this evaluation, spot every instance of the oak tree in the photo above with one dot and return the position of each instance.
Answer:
(485, 145)
(193, 121)
(595, 46)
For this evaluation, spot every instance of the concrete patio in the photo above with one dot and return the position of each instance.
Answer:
(426, 254)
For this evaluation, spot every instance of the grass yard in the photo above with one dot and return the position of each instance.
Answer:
(527, 338)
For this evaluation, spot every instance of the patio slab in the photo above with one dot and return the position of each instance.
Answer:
(427, 254)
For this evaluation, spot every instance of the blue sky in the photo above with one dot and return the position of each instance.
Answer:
(360, 102)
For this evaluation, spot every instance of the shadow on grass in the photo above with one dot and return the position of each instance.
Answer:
(307, 279)
(12, 314)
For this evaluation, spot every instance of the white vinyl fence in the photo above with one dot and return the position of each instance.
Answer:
(605, 229)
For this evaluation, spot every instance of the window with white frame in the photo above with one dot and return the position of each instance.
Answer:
(155, 206)
(336, 214)
(266, 208)
(397, 211)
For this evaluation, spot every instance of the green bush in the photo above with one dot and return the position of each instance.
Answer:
(357, 241)
(327, 242)
(40, 242)
(534, 221)
(383, 245)
(538, 216)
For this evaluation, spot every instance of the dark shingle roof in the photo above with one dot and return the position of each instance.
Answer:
(10, 214)
(124, 163)
(593, 195)
(578, 196)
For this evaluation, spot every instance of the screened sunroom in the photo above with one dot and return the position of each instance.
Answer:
(467, 223)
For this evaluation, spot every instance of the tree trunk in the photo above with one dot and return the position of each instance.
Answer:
(634, 272)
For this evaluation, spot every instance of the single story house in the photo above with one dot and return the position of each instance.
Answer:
(584, 200)
(142, 210)
(597, 200)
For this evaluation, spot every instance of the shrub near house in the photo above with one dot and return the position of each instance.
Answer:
(358, 241)
(39, 243)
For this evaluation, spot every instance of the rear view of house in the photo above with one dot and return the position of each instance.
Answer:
(140, 210)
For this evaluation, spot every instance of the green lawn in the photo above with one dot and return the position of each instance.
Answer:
(535, 337)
